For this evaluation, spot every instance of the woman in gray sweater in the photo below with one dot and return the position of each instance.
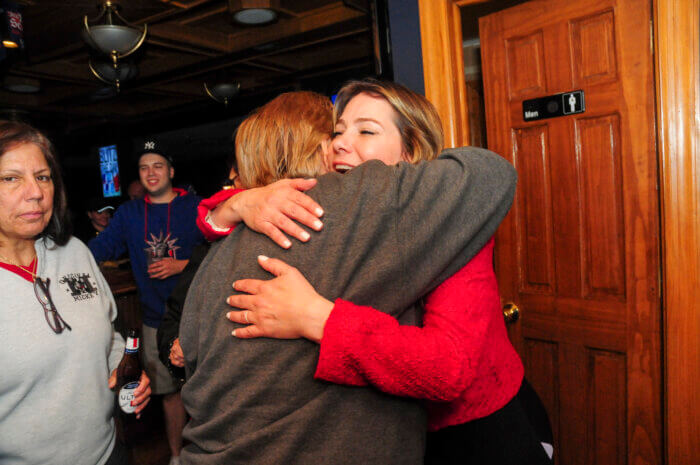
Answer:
(58, 343)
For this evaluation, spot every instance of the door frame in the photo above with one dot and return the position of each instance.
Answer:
(676, 46)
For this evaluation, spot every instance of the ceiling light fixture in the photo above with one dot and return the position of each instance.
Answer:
(117, 41)
(113, 74)
(223, 92)
(254, 12)
(21, 85)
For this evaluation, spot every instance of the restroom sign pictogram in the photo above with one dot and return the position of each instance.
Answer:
(572, 102)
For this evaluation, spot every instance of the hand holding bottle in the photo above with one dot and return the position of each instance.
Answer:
(131, 382)
(142, 394)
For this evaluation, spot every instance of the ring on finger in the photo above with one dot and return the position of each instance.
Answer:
(245, 315)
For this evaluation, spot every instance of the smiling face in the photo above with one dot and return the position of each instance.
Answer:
(156, 174)
(366, 130)
(26, 193)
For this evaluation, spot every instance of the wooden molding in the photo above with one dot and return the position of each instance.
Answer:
(677, 46)
(443, 66)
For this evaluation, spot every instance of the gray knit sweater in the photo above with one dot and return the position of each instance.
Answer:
(391, 234)
(55, 406)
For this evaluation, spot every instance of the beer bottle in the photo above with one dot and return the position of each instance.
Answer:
(128, 373)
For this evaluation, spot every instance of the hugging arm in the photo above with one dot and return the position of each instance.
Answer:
(271, 210)
(399, 231)
(361, 345)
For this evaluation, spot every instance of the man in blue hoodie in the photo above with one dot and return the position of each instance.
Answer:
(158, 232)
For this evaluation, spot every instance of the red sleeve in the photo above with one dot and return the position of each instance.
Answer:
(205, 206)
(362, 346)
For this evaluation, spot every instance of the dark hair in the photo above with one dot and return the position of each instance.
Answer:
(12, 134)
(417, 119)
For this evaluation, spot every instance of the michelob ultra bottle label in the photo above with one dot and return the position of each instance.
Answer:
(126, 395)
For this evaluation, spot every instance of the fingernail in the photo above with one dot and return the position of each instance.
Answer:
(319, 211)
(286, 244)
(318, 225)
(228, 315)
(305, 236)
(233, 333)
(262, 258)
(233, 285)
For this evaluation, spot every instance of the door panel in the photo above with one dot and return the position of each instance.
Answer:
(579, 251)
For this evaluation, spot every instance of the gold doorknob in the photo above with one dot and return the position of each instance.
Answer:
(511, 313)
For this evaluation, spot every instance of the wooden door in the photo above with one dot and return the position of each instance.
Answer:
(579, 252)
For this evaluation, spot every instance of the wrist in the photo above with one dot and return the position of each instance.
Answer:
(210, 219)
(319, 312)
(224, 216)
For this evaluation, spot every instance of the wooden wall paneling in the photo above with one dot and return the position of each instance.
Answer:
(534, 217)
(593, 39)
(608, 425)
(603, 239)
(526, 54)
(542, 364)
(677, 48)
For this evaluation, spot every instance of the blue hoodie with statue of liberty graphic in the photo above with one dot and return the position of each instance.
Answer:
(146, 231)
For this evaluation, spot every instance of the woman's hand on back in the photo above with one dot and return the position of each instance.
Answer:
(286, 307)
(272, 210)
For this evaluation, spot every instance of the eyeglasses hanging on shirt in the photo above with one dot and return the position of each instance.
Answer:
(53, 318)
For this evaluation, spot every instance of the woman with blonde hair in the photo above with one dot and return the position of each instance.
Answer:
(257, 401)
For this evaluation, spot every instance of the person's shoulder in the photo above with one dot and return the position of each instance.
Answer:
(468, 150)
(76, 246)
(73, 248)
(190, 198)
(127, 207)
(473, 154)
(130, 204)
(483, 160)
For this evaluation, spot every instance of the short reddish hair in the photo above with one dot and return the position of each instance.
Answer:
(283, 138)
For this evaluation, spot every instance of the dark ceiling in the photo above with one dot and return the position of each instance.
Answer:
(189, 43)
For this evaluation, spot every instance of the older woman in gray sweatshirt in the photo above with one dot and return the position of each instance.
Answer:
(56, 311)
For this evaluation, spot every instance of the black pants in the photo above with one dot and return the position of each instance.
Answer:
(509, 436)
